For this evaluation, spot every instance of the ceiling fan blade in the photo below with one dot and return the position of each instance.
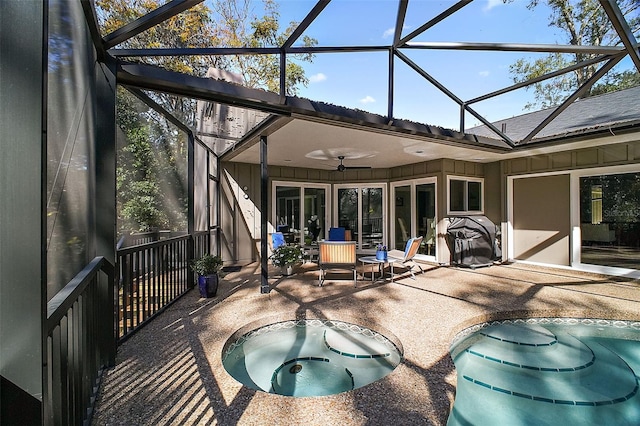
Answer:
(341, 167)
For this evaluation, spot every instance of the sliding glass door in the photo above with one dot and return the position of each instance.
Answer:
(360, 209)
(414, 214)
(610, 220)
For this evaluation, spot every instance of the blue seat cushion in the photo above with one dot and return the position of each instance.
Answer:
(336, 234)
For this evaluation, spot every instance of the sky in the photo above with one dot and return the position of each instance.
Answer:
(360, 80)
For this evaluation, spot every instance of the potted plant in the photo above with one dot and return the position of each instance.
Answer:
(286, 257)
(207, 268)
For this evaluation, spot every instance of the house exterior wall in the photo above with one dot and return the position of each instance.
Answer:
(541, 219)
(241, 216)
(606, 155)
(531, 193)
(540, 203)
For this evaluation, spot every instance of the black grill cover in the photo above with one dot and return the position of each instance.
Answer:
(472, 241)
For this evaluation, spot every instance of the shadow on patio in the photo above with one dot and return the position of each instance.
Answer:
(171, 371)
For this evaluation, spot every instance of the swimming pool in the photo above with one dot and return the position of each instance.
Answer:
(547, 371)
(310, 357)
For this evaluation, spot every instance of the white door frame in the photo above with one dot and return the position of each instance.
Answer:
(413, 183)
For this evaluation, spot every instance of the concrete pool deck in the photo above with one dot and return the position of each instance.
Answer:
(171, 372)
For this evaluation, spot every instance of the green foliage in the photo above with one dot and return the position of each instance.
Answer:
(206, 265)
(583, 22)
(616, 81)
(151, 172)
(151, 176)
(241, 28)
(286, 255)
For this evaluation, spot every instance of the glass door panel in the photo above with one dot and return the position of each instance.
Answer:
(314, 214)
(403, 216)
(425, 217)
(348, 210)
(288, 212)
(372, 220)
(610, 220)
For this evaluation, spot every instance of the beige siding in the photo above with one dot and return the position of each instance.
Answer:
(608, 155)
(541, 219)
(241, 223)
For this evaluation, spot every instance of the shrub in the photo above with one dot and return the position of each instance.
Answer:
(286, 255)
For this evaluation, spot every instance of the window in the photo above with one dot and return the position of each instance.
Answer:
(465, 195)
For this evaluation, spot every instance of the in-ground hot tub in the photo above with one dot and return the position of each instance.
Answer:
(310, 357)
(535, 371)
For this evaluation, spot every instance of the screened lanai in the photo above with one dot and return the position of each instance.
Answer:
(426, 134)
(371, 139)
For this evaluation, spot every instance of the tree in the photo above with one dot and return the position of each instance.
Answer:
(139, 197)
(232, 23)
(260, 70)
(585, 23)
(151, 175)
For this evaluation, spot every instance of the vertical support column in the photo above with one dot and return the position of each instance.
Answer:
(390, 87)
(218, 208)
(105, 191)
(264, 207)
(190, 204)
(283, 75)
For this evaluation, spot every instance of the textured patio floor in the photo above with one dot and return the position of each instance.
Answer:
(171, 371)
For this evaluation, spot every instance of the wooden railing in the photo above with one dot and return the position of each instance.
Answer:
(80, 343)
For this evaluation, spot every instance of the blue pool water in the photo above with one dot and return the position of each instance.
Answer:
(548, 372)
(310, 357)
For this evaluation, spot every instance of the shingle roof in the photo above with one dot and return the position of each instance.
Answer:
(608, 110)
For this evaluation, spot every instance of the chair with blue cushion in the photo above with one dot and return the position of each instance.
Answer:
(337, 234)
(405, 259)
(277, 240)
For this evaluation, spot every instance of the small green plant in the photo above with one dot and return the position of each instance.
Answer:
(286, 255)
(207, 265)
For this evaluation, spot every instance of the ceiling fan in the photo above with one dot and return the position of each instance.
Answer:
(341, 167)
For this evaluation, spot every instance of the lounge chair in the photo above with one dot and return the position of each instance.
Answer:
(337, 234)
(277, 240)
(337, 255)
(405, 259)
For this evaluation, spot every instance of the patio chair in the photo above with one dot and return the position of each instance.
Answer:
(277, 240)
(405, 259)
(337, 255)
(337, 234)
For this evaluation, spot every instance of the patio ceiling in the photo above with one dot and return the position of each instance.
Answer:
(310, 134)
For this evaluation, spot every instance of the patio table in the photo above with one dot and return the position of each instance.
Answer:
(372, 260)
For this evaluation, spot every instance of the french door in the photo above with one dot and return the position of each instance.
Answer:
(361, 210)
(413, 213)
(300, 211)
